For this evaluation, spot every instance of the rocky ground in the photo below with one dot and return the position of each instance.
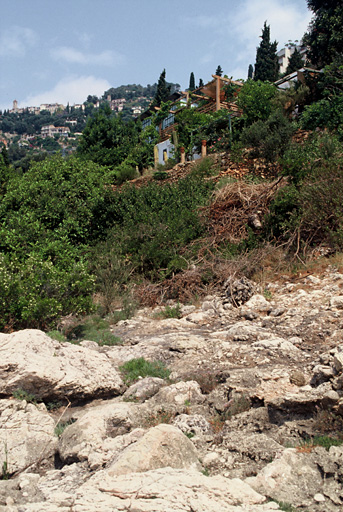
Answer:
(255, 378)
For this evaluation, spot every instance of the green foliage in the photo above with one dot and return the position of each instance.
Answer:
(5, 475)
(267, 65)
(160, 175)
(219, 71)
(324, 441)
(189, 125)
(21, 394)
(191, 82)
(325, 36)
(61, 426)
(170, 312)
(311, 205)
(255, 99)
(325, 113)
(106, 139)
(269, 138)
(92, 328)
(295, 62)
(163, 90)
(152, 224)
(136, 368)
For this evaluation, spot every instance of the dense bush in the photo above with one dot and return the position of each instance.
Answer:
(269, 138)
(255, 99)
(325, 113)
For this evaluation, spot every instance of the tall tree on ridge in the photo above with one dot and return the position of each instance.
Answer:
(250, 72)
(163, 90)
(219, 71)
(191, 82)
(201, 82)
(267, 65)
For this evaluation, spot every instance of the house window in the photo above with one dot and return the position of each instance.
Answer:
(165, 155)
(168, 121)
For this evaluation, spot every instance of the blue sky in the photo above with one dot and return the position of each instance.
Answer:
(61, 51)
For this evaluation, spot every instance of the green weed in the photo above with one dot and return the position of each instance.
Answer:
(61, 426)
(136, 368)
(21, 394)
(170, 312)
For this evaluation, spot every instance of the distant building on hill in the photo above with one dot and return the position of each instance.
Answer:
(50, 130)
(285, 53)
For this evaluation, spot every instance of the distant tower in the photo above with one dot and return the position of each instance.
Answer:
(15, 105)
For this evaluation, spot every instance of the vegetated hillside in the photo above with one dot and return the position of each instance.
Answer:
(74, 241)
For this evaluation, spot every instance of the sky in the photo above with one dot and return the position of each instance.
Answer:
(62, 51)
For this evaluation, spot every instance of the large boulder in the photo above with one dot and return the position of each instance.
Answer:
(168, 489)
(30, 360)
(162, 446)
(100, 433)
(27, 435)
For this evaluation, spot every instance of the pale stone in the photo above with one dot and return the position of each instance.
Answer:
(32, 361)
(27, 435)
(161, 446)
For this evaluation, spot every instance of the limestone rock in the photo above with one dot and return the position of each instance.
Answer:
(32, 361)
(143, 389)
(162, 446)
(26, 435)
(179, 394)
(194, 424)
(168, 490)
(99, 434)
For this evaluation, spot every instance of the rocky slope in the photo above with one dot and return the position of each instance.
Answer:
(253, 382)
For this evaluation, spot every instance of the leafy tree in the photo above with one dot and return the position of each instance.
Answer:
(191, 82)
(163, 90)
(250, 72)
(106, 139)
(295, 62)
(255, 99)
(267, 65)
(325, 36)
(219, 71)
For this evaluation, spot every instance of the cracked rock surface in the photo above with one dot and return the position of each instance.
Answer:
(256, 381)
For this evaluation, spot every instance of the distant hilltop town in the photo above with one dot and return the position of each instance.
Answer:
(50, 107)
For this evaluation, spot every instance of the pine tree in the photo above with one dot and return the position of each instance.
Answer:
(219, 71)
(267, 65)
(191, 82)
(295, 62)
(250, 72)
(163, 90)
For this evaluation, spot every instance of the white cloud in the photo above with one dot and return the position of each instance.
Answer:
(286, 19)
(74, 56)
(72, 89)
(15, 40)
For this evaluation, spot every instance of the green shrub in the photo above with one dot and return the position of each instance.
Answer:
(92, 328)
(21, 394)
(160, 175)
(170, 312)
(269, 138)
(325, 113)
(136, 368)
(61, 426)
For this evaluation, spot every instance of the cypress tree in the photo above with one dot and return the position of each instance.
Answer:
(201, 83)
(163, 90)
(219, 71)
(250, 72)
(267, 65)
(191, 82)
(295, 62)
